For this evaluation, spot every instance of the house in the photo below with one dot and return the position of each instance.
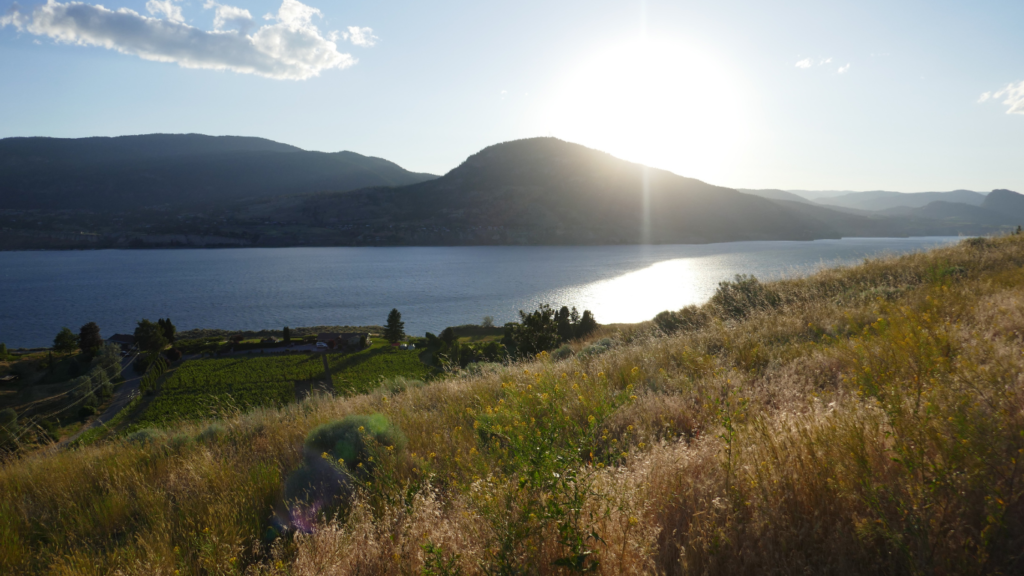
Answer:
(354, 340)
(125, 341)
(269, 340)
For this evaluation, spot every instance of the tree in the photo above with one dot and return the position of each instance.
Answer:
(169, 330)
(149, 336)
(89, 338)
(535, 332)
(587, 325)
(65, 342)
(3, 350)
(566, 328)
(448, 336)
(394, 331)
(286, 335)
(488, 322)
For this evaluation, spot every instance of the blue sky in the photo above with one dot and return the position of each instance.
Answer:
(908, 96)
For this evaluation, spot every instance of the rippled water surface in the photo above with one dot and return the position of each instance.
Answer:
(257, 288)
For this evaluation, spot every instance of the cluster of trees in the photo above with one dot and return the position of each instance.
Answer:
(98, 382)
(154, 336)
(88, 339)
(149, 336)
(546, 329)
(448, 351)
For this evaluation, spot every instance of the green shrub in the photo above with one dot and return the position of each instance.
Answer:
(179, 441)
(145, 436)
(687, 319)
(477, 368)
(212, 433)
(346, 439)
(743, 296)
(597, 348)
(397, 385)
(563, 352)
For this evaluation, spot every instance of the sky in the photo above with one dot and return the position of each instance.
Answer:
(853, 95)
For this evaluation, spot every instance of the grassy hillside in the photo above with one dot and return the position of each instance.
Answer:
(861, 421)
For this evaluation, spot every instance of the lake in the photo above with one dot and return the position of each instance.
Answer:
(433, 287)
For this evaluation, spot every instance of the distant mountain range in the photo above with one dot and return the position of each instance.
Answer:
(969, 210)
(193, 190)
(129, 172)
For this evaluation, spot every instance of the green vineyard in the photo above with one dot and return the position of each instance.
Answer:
(207, 388)
(363, 371)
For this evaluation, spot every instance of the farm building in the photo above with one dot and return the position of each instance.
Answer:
(356, 340)
(125, 341)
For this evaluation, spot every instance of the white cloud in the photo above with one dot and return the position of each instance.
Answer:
(1014, 94)
(843, 69)
(292, 48)
(166, 8)
(984, 96)
(805, 63)
(230, 17)
(360, 36)
(824, 61)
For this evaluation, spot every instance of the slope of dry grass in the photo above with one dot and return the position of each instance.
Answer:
(861, 421)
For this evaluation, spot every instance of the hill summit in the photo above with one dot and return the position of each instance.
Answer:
(548, 191)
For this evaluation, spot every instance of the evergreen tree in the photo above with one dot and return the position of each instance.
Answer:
(587, 324)
(89, 337)
(448, 336)
(170, 332)
(565, 327)
(149, 336)
(394, 331)
(66, 341)
(286, 335)
(3, 351)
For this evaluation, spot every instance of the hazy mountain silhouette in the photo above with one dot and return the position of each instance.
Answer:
(882, 200)
(1006, 202)
(192, 190)
(773, 194)
(955, 212)
(544, 190)
(127, 172)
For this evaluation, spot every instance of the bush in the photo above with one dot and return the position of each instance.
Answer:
(347, 439)
(145, 436)
(600, 347)
(743, 296)
(477, 368)
(179, 441)
(565, 351)
(173, 354)
(337, 454)
(398, 384)
(212, 433)
(687, 319)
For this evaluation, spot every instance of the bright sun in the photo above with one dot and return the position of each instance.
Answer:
(657, 103)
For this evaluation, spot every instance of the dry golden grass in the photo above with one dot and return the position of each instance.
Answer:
(864, 420)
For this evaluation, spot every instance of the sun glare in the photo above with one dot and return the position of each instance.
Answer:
(658, 103)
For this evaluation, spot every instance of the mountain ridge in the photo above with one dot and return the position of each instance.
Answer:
(530, 191)
(121, 172)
